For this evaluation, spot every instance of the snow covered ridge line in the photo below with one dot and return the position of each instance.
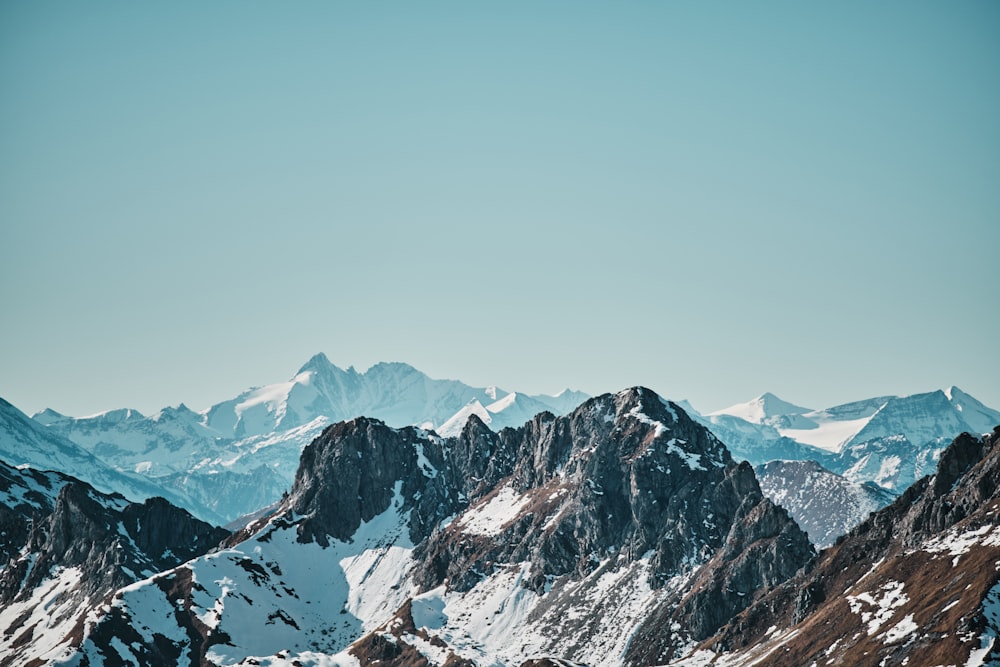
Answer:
(394, 392)
(889, 441)
(919, 417)
(241, 454)
(580, 537)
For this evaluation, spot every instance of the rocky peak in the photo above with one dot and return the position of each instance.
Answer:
(478, 458)
(356, 469)
(25, 495)
(45, 417)
(111, 539)
(319, 363)
(956, 459)
(625, 507)
(626, 474)
(69, 547)
(926, 564)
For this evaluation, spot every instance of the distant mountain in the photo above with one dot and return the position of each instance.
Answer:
(915, 584)
(889, 440)
(764, 409)
(396, 393)
(824, 504)
(241, 454)
(511, 410)
(25, 442)
(65, 547)
(621, 531)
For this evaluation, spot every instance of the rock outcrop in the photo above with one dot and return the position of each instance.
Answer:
(68, 547)
(916, 583)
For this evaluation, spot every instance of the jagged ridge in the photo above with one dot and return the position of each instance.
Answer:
(915, 583)
(69, 546)
(625, 495)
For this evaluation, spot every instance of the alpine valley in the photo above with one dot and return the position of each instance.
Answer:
(385, 517)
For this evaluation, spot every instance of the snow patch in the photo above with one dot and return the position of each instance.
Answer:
(423, 463)
(958, 544)
(901, 630)
(829, 435)
(492, 516)
(881, 607)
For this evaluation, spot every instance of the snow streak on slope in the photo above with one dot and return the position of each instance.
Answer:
(42, 620)
(490, 517)
(502, 622)
(829, 435)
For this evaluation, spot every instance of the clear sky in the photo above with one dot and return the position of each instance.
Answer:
(710, 199)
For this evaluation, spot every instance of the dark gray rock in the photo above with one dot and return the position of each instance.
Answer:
(354, 470)
(113, 541)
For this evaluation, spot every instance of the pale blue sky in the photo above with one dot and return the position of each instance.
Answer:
(710, 199)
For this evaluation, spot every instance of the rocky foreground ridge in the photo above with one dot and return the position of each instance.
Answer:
(917, 583)
(567, 536)
(66, 547)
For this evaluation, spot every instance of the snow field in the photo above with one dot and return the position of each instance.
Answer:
(490, 517)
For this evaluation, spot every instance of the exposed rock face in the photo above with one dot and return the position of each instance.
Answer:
(111, 539)
(241, 454)
(351, 473)
(915, 583)
(763, 548)
(83, 545)
(823, 503)
(626, 475)
(25, 495)
(626, 496)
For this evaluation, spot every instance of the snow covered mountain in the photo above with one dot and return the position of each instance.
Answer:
(24, 442)
(619, 534)
(65, 547)
(241, 454)
(824, 504)
(765, 409)
(395, 393)
(512, 410)
(889, 440)
(843, 451)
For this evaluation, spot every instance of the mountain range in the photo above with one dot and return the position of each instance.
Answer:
(241, 454)
(623, 533)
(386, 517)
